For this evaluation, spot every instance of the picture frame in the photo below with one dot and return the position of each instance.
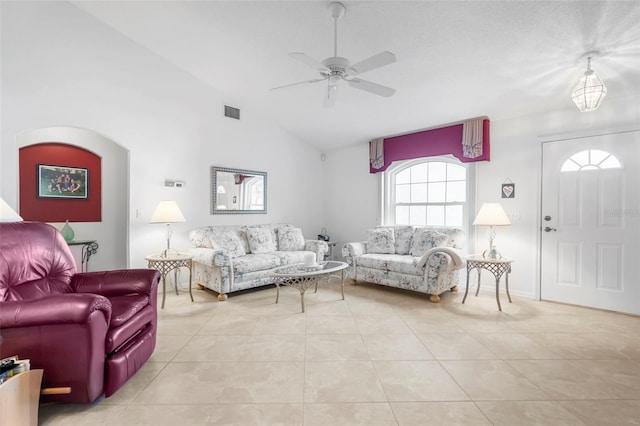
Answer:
(62, 182)
(508, 190)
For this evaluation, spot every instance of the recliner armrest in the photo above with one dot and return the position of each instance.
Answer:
(117, 283)
(68, 308)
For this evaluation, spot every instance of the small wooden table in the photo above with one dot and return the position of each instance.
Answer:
(168, 263)
(302, 277)
(497, 267)
(19, 397)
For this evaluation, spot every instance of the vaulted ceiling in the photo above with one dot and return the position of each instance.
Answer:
(455, 59)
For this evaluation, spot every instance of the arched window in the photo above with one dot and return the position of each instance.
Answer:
(426, 191)
(253, 191)
(591, 159)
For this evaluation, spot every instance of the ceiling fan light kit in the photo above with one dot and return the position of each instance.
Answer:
(590, 91)
(336, 69)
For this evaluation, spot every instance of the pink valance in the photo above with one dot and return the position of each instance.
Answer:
(432, 143)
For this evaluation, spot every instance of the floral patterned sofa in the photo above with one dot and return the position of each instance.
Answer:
(424, 259)
(231, 258)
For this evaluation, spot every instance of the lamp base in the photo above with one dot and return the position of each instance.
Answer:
(168, 252)
(492, 254)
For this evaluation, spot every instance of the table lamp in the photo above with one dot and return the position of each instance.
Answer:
(167, 212)
(491, 214)
(7, 214)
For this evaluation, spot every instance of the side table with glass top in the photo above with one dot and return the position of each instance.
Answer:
(171, 262)
(497, 267)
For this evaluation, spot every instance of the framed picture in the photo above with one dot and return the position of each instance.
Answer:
(508, 190)
(62, 181)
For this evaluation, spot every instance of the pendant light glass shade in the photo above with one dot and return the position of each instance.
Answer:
(590, 91)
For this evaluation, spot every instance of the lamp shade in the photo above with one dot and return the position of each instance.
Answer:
(167, 212)
(491, 214)
(7, 214)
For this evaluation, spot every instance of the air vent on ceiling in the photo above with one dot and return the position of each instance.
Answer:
(231, 112)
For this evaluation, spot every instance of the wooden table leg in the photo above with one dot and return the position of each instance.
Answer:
(479, 274)
(506, 283)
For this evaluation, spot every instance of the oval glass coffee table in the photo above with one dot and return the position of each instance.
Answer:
(303, 277)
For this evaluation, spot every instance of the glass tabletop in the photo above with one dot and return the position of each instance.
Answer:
(300, 269)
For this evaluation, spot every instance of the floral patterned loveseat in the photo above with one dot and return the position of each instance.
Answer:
(230, 258)
(424, 259)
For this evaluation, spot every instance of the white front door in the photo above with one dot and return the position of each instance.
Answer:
(590, 252)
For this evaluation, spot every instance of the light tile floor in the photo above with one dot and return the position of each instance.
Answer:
(381, 357)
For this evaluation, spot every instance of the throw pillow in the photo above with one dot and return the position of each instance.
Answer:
(290, 239)
(403, 235)
(261, 240)
(381, 240)
(229, 241)
(424, 239)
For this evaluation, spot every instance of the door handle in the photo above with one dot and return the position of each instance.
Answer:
(547, 229)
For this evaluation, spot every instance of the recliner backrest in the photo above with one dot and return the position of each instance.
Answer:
(35, 261)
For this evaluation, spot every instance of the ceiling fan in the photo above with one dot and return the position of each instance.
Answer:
(336, 69)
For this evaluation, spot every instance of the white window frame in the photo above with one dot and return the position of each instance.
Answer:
(387, 188)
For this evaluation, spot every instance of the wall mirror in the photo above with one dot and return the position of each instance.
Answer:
(238, 191)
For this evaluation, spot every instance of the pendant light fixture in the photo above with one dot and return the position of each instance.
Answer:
(590, 91)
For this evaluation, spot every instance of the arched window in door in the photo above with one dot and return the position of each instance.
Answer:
(591, 159)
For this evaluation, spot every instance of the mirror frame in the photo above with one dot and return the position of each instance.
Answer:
(214, 190)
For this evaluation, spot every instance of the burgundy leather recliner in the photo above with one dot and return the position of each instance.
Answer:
(89, 331)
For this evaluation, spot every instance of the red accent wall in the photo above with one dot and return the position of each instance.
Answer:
(59, 210)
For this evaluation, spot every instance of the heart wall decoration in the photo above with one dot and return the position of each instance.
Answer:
(508, 190)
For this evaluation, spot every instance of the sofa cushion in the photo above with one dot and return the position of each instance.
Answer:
(391, 262)
(456, 238)
(229, 241)
(255, 262)
(425, 239)
(381, 240)
(123, 332)
(290, 257)
(290, 239)
(123, 308)
(404, 237)
(261, 239)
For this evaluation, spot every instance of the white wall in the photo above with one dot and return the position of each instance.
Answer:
(62, 67)
(515, 155)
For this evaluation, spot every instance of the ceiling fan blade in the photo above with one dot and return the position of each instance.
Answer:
(309, 61)
(376, 61)
(330, 96)
(375, 88)
(299, 83)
